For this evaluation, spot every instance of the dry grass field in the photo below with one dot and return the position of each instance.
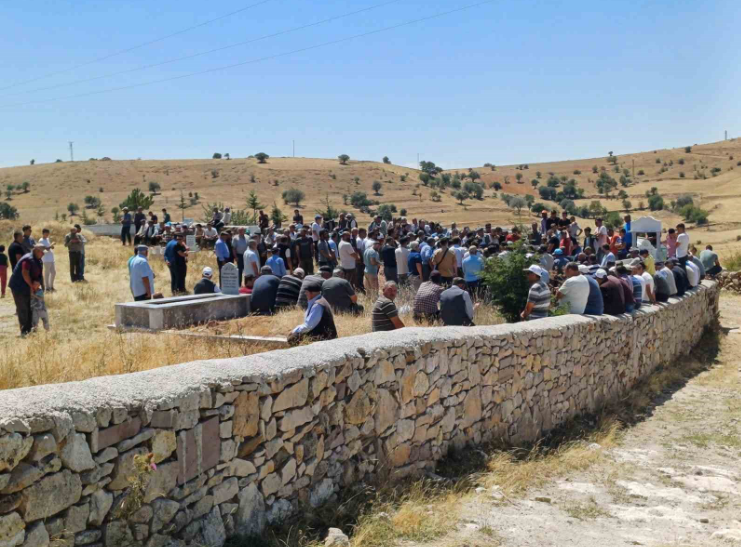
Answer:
(80, 344)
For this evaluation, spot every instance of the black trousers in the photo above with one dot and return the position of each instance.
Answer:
(126, 234)
(360, 277)
(307, 264)
(173, 278)
(240, 267)
(182, 271)
(141, 298)
(75, 265)
(23, 309)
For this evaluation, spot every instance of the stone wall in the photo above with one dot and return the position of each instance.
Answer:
(241, 443)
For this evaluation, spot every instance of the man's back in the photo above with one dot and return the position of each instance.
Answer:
(708, 258)
(288, 291)
(613, 296)
(338, 292)
(680, 279)
(453, 310)
(264, 292)
(427, 298)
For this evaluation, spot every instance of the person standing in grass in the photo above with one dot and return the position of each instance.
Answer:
(27, 278)
(3, 271)
(73, 242)
(50, 268)
(372, 262)
(15, 251)
(126, 221)
(82, 257)
(181, 262)
(28, 240)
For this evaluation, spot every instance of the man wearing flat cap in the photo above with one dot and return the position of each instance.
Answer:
(318, 321)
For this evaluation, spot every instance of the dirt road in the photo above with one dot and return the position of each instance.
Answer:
(674, 479)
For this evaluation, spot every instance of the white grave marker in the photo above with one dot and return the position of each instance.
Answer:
(229, 279)
(190, 241)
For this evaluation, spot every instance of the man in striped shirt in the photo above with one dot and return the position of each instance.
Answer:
(289, 289)
(385, 316)
(539, 297)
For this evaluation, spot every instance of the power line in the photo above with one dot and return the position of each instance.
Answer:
(258, 60)
(194, 55)
(132, 48)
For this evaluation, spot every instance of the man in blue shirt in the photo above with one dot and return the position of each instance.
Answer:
(426, 250)
(126, 221)
(318, 321)
(628, 237)
(142, 276)
(223, 255)
(276, 262)
(473, 265)
(171, 263)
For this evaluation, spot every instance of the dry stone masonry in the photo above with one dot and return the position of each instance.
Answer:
(241, 444)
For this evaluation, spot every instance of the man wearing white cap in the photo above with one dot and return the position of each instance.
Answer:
(142, 276)
(206, 284)
(612, 293)
(575, 290)
(539, 297)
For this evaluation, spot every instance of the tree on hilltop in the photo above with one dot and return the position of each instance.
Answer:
(261, 157)
(376, 187)
(344, 158)
(386, 160)
(217, 156)
(154, 187)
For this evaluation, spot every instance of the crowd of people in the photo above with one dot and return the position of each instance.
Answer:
(582, 271)
(322, 266)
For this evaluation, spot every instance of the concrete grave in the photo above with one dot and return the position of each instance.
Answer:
(181, 311)
(229, 279)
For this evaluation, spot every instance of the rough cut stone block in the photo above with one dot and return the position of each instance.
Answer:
(116, 434)
(75, 453)
(164, 419)
(246, 414)
(13, 448)
(50, 495)
(211, 443)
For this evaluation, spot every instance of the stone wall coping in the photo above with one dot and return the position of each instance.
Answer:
(160, 388)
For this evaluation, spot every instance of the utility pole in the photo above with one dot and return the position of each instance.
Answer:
(726, 134)
(294, 148)
(71, 151)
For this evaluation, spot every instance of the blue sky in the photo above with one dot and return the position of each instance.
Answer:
(506, 82)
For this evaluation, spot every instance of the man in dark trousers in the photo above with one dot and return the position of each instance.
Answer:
(28, 276)
(74, 245)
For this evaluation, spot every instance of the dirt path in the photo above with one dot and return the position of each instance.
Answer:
(674, 479)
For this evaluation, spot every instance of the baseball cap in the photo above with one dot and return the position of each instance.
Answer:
(208, 272)
(583, 269)
(537, 270)
(141, 248)
(600, 274)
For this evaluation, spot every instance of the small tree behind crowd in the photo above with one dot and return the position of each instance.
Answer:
(137, 199)
(507, 284)
(154, 188)
(294, 196)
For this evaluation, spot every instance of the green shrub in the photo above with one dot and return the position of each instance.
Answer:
(732, 262)
(655, 202)
(507, 283)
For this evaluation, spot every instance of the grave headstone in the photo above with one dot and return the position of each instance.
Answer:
(190, 241)
(229, 279)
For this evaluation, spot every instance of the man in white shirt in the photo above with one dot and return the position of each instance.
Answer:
(600, 232)
(460, 254)
(251, 261)
(575, 290)
(348, 258)
(402, 261)
(50, 269)
(648, 284)
(316, 228)
(683, 245)
(693, 273)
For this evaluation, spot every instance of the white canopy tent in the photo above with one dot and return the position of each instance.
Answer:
(641, 229)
